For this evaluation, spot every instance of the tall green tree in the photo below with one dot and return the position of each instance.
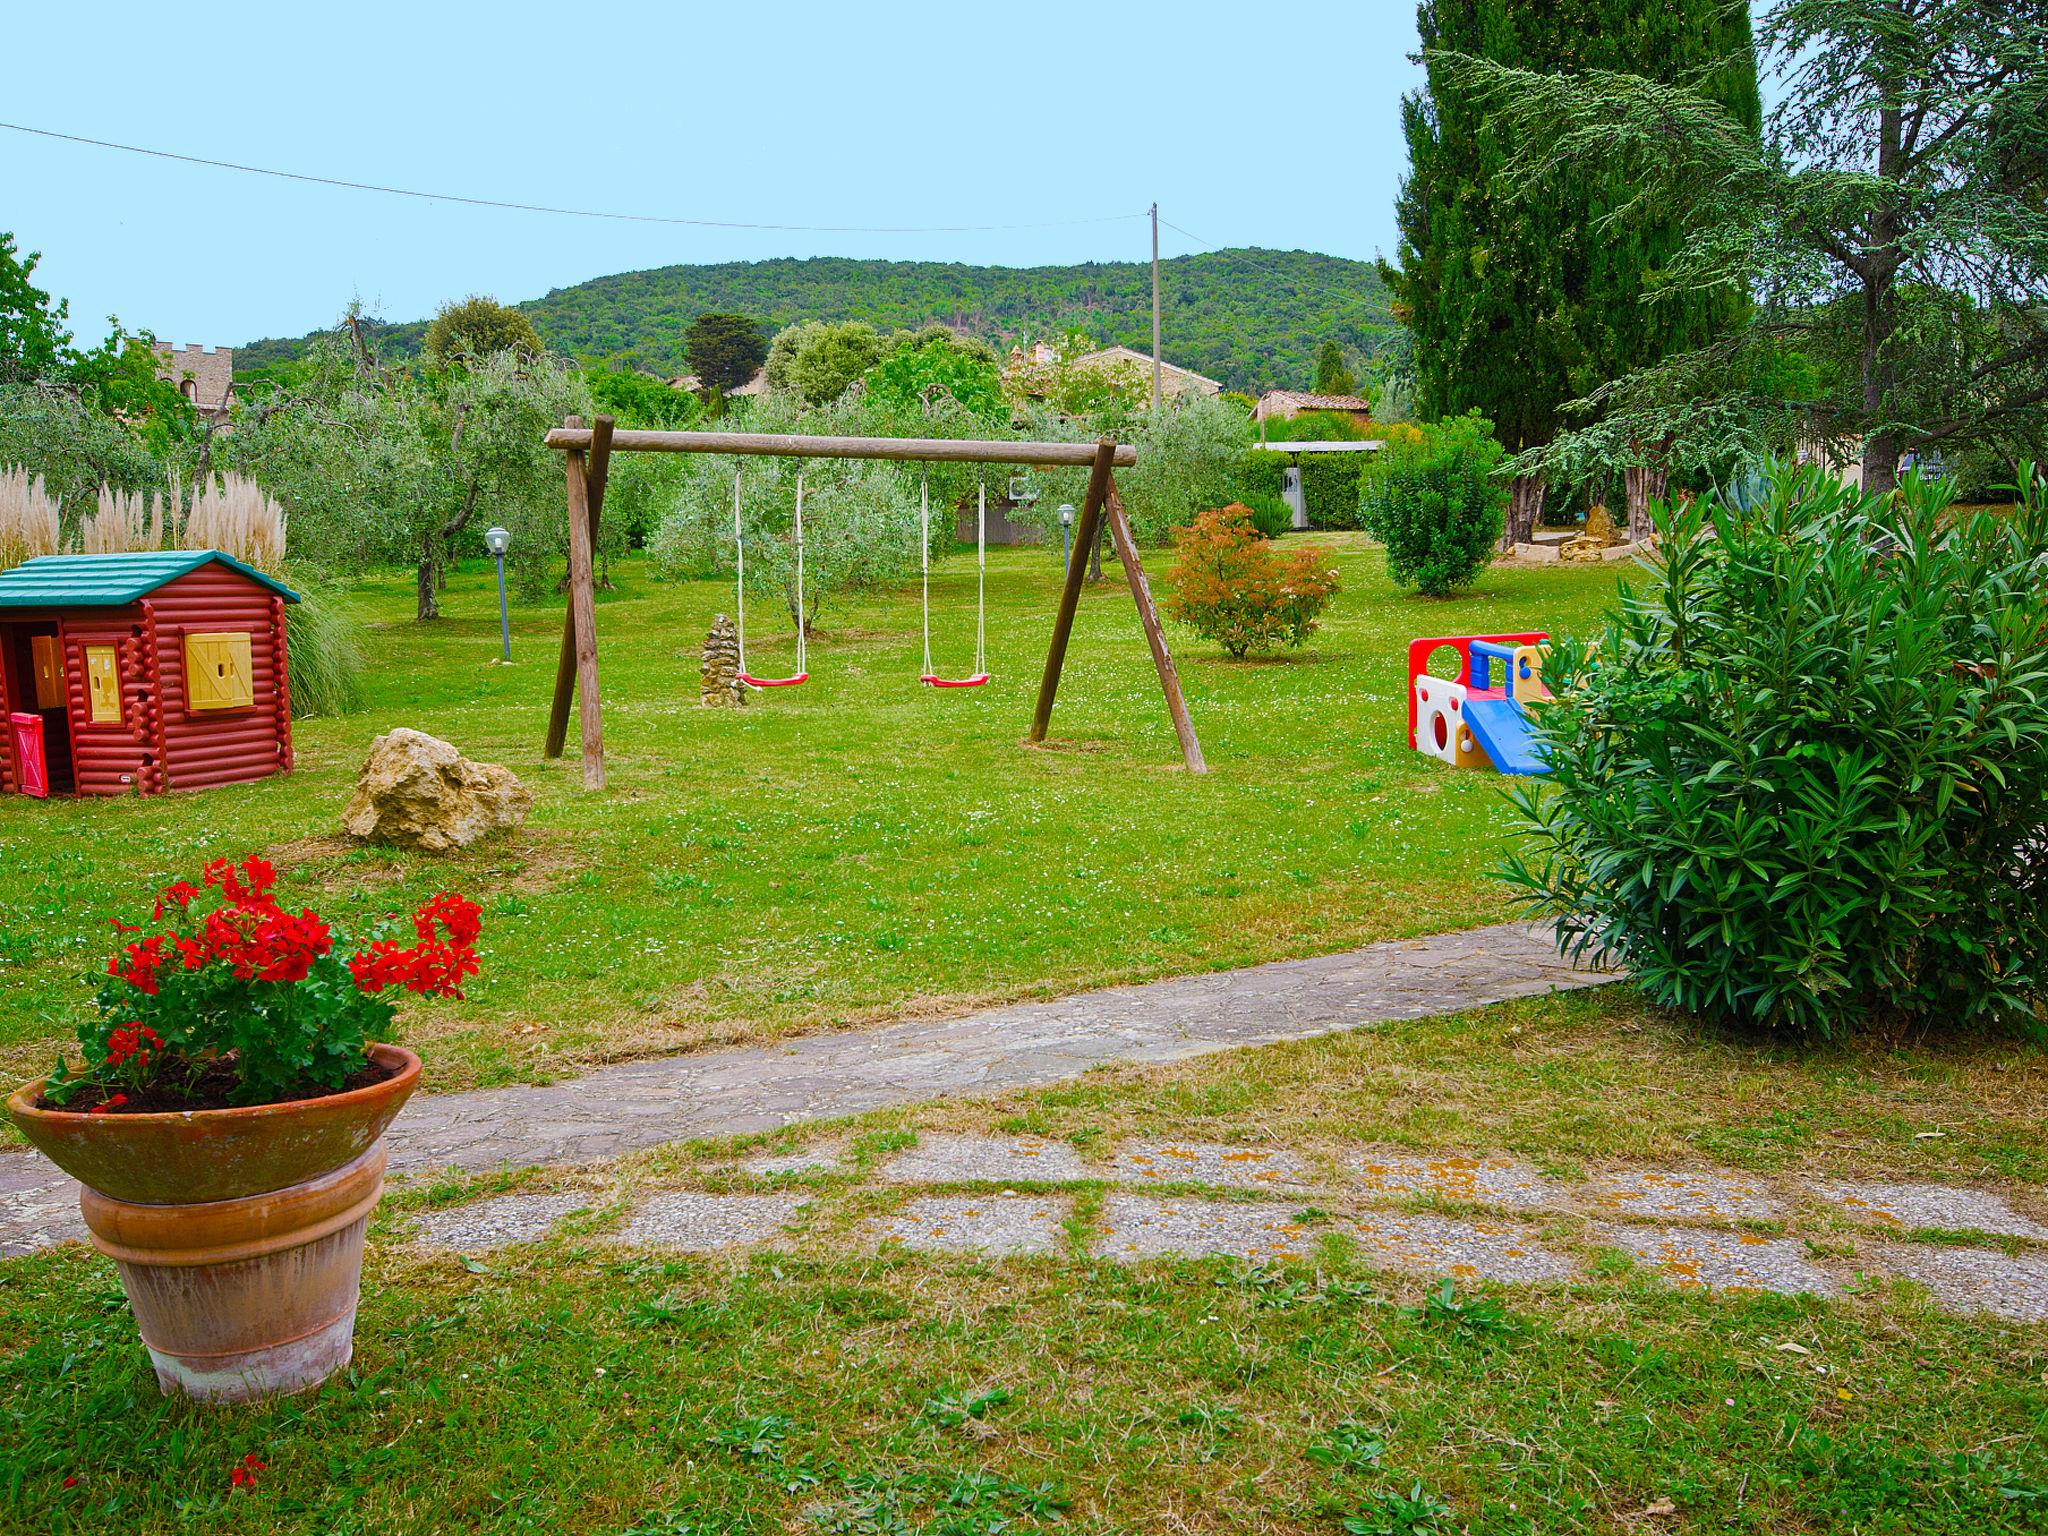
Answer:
(33, 335)
(1332, 376)
(472, 329)
(1891, 226)
(1515, 303)
(724, 350)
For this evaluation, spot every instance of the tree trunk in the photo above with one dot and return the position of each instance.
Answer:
(1095, 555)
(1525, 507)
(1881, 447)
(1643, 485)
(429, 597)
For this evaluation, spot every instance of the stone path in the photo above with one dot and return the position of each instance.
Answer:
(1469, 1217)
(645, 1103)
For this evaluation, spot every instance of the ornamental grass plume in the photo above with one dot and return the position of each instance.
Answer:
(28, 518)
(238, 517)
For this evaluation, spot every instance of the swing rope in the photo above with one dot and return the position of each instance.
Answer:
(802, 673)
(924, 517)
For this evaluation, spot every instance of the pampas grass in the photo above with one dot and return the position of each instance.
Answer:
(239, 518)
(28, 518)
(125, 521)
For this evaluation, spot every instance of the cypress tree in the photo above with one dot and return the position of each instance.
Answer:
(1516, 301)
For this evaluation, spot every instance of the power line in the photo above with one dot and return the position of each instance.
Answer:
(572, 213)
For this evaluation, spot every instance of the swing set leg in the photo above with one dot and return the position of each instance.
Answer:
(1087, 527)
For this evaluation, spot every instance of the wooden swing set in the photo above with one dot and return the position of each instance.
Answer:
(587, 455)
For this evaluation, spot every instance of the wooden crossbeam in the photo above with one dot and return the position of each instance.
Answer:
(786, 445)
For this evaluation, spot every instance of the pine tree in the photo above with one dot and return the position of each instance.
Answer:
(1515, 303)
(1332, 377)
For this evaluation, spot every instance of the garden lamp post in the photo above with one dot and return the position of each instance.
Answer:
(497, 540)
(1066, 533)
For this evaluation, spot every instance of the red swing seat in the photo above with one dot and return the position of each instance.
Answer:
(931, 681)
(774, 682)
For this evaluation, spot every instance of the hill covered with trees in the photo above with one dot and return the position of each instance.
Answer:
(1254, 319)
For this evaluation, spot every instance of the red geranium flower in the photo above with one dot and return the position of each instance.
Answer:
(112, 1101)
(178, 893)
(139, 962)
(243, 1475)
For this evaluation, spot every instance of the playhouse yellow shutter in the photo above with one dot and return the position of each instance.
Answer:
(102, 685)
(217, 671)
(48, 657)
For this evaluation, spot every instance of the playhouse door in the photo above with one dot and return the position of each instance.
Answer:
(28, 752)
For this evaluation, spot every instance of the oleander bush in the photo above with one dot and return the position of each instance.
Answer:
(1432, 497)
(1800, 780)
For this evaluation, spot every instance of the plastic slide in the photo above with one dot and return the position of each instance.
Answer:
(1502, 730)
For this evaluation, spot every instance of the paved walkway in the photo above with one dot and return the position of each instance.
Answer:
(645, 1103)
(1469, 1217)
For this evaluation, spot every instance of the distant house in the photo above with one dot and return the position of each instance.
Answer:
(1286, 404)
(204, 375)
(757, 385)
(1173, 382)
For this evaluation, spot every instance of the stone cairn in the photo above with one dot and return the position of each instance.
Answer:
(1599, 535)
(720, 686)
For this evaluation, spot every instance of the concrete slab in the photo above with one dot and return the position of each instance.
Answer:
(1683, 1194)
(1199, 1162)
(1502, 1181)
(1464, 1250)
(941, 1158)
(693, 1222)
(1135, 1227)
(1720, 1261)
(991, 1224)
(1945, 1207)
(1974, 1279)
(497, 1221)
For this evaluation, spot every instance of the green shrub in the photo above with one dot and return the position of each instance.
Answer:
(324, 656)
(1431, 497)
(1260, 475)
(1270, 515)
(1330, 487)
(1800, 782)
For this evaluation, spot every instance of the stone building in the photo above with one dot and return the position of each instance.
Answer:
(204, 375)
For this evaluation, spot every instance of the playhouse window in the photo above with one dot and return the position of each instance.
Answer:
(102, 685)
(217, 671)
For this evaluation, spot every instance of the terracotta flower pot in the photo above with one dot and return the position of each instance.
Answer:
(238, 1232)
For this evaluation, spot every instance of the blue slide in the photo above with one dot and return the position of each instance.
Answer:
(1503, 734)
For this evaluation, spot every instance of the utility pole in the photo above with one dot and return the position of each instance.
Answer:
(1155, 306)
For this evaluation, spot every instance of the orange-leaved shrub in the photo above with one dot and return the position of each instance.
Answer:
(1229, 586)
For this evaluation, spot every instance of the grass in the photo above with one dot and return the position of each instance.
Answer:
(857, 848)
(572, 1387)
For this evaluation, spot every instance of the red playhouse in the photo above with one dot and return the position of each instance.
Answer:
(1469, 721)
(140, 673)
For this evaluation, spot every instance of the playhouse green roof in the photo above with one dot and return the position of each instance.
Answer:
(112, 581)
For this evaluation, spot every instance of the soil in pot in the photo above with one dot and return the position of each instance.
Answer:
(213, 1088)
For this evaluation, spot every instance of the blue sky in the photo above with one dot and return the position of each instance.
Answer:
(1282, 135)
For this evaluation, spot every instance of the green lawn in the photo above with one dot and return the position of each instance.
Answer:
(571, 1387)
(857, 848)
